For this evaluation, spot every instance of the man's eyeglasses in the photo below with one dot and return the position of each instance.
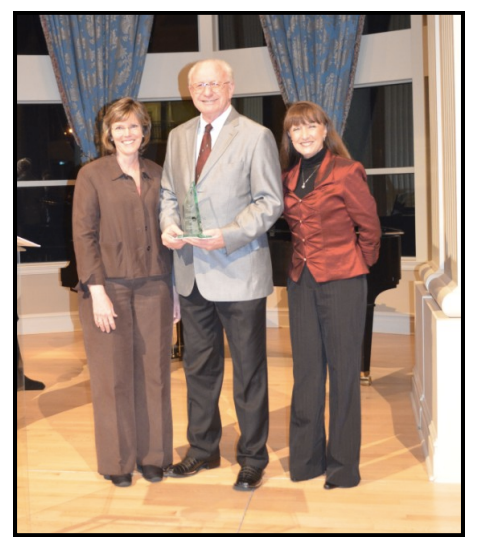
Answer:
(214, 86)
(120, 129)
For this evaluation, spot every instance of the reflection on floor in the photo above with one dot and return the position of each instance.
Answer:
(59, 490)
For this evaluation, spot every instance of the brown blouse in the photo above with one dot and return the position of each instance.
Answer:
(116, 232)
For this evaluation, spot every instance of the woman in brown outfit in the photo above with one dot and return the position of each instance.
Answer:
(125, 299)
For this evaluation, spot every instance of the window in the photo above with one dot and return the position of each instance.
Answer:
(30, 37)
(174, 33)
(47, 151)
(379, 130)
(44, 215)
(395, 197)
(46, 148)
(383, 142)
(379, 134)
(170, 33)
(165, 116)
(381, 23)
(266, 110)
(240, 31)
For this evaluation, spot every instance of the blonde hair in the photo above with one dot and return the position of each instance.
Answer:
(301, 113)
(227, 69)
(120, 111)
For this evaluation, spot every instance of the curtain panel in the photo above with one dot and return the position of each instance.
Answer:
(96, 59)
(314, 58)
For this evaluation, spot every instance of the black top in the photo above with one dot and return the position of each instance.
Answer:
(308, 171)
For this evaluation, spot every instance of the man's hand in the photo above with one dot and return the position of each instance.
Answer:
(216, 240)
(169, 237)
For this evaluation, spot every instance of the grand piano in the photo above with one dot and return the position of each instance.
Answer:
(384, 275)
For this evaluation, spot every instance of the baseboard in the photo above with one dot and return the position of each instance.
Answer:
(386, 323)
(422, 420)
(48, 323)
(277, 318)
(393, 323)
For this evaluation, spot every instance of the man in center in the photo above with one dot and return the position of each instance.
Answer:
(223, 280)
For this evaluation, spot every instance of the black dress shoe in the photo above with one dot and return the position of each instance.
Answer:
(120, 480)
(331, 486)
(190, 466)
(151, 473)
(249, 478)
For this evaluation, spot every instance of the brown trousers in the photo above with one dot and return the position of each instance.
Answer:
(130, 375)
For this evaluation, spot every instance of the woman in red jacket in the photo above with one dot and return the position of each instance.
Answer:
(336, 237)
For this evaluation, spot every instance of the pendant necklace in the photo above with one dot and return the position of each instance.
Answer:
(305, 180)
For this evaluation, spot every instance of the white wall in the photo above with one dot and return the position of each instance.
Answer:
(437, 377)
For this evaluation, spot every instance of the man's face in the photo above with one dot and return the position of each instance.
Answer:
(211, 101)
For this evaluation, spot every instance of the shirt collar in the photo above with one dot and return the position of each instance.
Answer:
(216, 124)
(117, 171)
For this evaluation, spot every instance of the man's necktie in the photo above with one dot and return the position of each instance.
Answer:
(205, 149)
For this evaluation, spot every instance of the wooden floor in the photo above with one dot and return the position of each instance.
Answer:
(59, 490)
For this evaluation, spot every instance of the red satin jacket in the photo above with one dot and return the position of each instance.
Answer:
(323, 222)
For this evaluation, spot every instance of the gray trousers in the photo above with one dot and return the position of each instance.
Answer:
(130, 375)
(327, 322)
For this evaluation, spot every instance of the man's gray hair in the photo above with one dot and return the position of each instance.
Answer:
(226, 67)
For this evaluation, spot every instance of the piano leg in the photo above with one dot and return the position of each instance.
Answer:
(177, 348)
(365, 377)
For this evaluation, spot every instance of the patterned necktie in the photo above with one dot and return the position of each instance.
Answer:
(205, 149)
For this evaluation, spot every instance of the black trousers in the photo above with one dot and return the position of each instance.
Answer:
(244, 323)
(327, 322)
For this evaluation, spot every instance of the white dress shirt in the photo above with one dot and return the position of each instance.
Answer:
(216, 128)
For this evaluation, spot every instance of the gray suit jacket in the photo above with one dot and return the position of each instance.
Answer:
(240, 192)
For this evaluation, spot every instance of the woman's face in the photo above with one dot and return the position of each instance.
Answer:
(127, 135)
(308, 139)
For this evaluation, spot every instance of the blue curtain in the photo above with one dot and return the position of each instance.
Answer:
(315, 57)
(96, 59)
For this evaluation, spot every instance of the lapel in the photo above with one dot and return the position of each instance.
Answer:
(292, 177)
(190, 145)
(325, 172)
(227, 133)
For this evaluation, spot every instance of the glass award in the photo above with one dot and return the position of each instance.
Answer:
(192, 222)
